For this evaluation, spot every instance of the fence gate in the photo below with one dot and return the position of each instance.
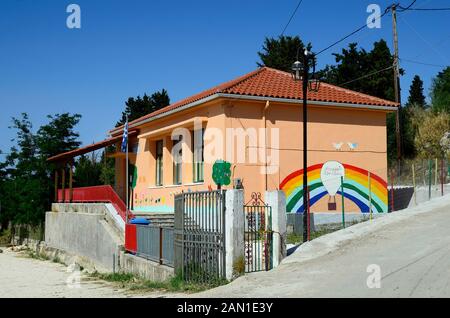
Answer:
(200, 235)
(258, 235)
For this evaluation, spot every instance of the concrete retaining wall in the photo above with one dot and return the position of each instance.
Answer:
(422, 194)
(144, 268)
(404, 196)
(128, 263)
(323, 219)
(320, 220)
(61, 256)
(85, 234)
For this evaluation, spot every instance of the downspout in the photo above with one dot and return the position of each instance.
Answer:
(265, 139)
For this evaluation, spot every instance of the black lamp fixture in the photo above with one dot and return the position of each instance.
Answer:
(314, 85)
(297, 70)
(313, 81)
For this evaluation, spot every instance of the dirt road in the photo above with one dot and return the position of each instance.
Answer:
(404, 254)
(21, 276)
(410, 254)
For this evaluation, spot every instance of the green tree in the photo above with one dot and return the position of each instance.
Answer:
(58, 135)
(26, 187)
(22, 160)
(281, 53)
(4, 217)
(138, 107)
(411, 117)
(24, 200)
(416, 96)
(430, 134)
(353, 65)
(408, 130)
(55, 137)
(440, 92)
(87, 171)
(108, 169)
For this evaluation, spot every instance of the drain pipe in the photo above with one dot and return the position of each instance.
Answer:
(265, 139)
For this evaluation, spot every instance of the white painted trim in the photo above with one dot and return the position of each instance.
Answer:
(168, 129)
(170, 112)
(194, 184)
(176, 185)
(300, 101)
(173, 185)
(155, 187)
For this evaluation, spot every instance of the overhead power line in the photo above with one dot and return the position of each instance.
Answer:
(352, 33)
(422, 63)
(422, 9)
(430, 9)
(292, 16)
(367, 75)
(386, 11)
(407, 8)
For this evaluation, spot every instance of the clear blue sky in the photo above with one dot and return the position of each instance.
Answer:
(127, 48)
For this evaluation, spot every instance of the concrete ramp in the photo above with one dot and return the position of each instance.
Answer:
(115, 216)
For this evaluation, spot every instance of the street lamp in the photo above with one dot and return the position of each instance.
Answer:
(300, 72)
(297, 70)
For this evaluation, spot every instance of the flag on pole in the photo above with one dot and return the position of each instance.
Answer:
(124, 148)
(125, 137)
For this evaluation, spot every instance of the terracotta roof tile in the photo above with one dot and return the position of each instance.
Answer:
(269, 82)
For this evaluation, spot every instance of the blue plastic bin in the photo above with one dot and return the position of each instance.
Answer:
(141, 221)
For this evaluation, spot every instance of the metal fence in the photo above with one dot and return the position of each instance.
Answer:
(258, 245)
(155, 243)
(200, 235)
(411, 183)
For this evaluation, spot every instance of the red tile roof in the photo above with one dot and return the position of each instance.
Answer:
(269, 82)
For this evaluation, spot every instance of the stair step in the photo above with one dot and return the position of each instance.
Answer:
(153, 214)
(158, 219)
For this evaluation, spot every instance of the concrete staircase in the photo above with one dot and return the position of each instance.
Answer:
(158, 219)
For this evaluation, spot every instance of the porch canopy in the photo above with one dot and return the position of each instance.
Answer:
(69, 155)
(66, 158)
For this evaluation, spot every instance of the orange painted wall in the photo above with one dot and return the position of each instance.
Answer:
(327, 125)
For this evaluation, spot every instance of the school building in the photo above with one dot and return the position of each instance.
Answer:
(255, 123)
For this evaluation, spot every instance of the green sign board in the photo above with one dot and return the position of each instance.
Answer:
(222, 172)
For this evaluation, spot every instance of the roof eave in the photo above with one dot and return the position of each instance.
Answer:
(167, 113)
(251, 97)
(300, 101)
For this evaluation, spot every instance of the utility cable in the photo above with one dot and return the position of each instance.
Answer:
(367, 75)
(292, 16)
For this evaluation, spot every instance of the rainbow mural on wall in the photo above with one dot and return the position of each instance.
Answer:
(356, 189)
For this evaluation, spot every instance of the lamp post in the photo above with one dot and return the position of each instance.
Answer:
(300, 72)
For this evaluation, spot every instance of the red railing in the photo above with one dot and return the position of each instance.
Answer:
(103, 193)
